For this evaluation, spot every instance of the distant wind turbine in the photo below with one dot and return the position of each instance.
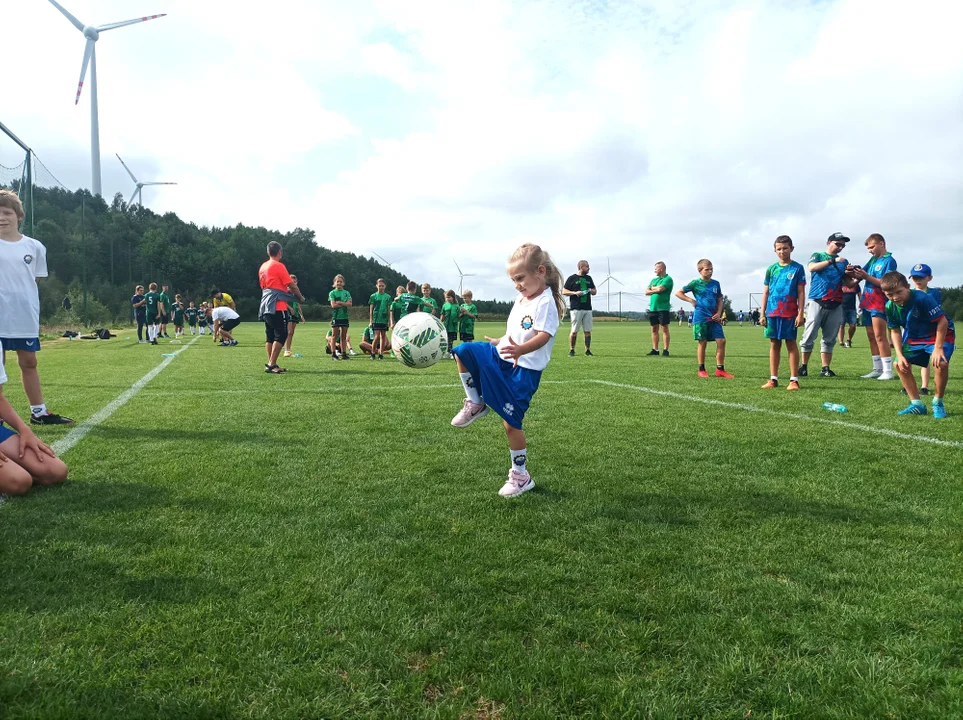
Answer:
(461, 278)
(387, 264)
(137, 193)
(608, 291)
(90, 57)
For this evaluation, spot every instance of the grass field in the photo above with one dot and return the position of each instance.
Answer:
(324, 544)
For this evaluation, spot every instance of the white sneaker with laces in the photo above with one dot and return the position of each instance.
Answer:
(351, 352)
(885, 376)
(469, 413)
(517, 484)
(872, 375)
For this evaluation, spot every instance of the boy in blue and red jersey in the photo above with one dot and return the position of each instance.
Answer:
(708, 313)
(783, 299)
(928, 337)
(873, 305)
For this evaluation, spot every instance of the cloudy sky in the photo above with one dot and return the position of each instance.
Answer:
(431, 131)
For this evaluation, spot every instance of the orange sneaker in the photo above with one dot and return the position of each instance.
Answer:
(703, 373)
(793, 385)
(770, 385)
(724, 374)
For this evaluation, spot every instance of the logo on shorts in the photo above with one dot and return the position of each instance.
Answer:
(29, 343)
(509, 409)
(527, 322)
(27, 259)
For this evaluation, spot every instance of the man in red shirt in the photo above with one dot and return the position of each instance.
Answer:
(277, 286)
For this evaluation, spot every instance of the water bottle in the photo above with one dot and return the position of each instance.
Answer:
(297, 355)
(168, 354)
(834, 407)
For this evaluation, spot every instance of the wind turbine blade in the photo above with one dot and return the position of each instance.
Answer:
(126, 168)
(74, 21)
(381, 259)
(459, 269)
(132, 197)
(609, 265)
(159, 183)
(88, 52)
(111, 26)
(468, 275)
(618, 281)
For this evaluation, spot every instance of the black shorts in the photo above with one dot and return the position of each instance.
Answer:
(660, 317)
(276, 326)
(465, 337)
(383, 327)
(339, 323)
(229, 325)
(451, 338)
(164, 318)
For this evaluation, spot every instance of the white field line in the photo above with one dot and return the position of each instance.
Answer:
(354, 388)
(80, 431)
(779, 413)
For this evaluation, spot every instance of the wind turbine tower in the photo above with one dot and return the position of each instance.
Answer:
(461, 278)
(90, 57)
(139, 185)
(608, 282)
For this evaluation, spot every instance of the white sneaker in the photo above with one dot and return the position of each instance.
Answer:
(885, 376)
(874, 374)
(469, 413)
(351, 352)
(517, 484)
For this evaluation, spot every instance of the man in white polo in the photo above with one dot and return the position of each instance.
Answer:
(580, 288)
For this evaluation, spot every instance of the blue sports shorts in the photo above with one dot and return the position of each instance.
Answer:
(505, 388)
(28, 344)
(706, 331)
(920, 354)
(780, 328)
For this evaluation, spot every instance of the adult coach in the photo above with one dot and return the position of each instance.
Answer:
(580, 288)
(278, 288)
(660, 308)
(23, 261)
(219, 299)
(824, 309)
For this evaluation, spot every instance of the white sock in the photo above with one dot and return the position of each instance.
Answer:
(773, 377)
(793, 378)
(518, 461)
(877, 363)
(471, 392)
(40, 409)
(888, 364)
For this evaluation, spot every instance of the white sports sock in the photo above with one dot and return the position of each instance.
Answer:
(518, 461)
(40, 409)
(471, 392)
(877, 362)
(888, 364)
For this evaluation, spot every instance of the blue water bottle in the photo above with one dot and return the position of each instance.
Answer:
(834, 407)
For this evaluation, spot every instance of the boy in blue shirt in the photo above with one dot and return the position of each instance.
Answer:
(784, 299)
(928, 336)
(706, 324)
(921, 275)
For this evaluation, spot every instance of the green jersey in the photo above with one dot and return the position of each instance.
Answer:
(429, 305)
(340, 313)
(467, 325)
(152, 299)
(178, 313)
(380, 304)
(191, 315)
(368, 335)
(295, 310)
(166, 299)
(411, 302)
(449, 316)
(397, 309)
(661, 302)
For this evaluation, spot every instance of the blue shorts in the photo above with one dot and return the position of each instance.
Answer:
(505, 388)
(849, 316)
(706, 331)
(920, 354)
(5, 433)
(28, 344)
(781, 328)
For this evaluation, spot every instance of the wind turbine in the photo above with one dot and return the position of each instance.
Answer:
(139, 185)
(461, 278)
(90, 57)
(388, 264)
(608, 291)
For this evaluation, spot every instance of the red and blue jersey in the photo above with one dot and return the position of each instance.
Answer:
(873, 298)
(935, 294)
(919, 317)
(783, 282)
(707, 296)
(827, 284)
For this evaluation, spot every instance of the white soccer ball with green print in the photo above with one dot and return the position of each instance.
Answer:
(419, 340)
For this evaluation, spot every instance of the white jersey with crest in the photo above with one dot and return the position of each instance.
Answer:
(527, 318)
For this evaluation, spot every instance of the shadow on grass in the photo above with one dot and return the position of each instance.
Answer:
(193, 436)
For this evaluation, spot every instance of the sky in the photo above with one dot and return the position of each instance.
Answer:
(430, 132)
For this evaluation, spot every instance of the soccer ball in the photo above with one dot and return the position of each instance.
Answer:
(419, 340)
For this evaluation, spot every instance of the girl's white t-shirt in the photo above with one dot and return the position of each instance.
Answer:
(527, 318)
(21, 263)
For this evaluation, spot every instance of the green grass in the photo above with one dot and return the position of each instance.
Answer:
(324, 544)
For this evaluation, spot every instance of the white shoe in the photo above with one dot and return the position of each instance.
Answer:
(351, 352)
(517, 484)
(874, 374)
(469, 413)
(885, 376)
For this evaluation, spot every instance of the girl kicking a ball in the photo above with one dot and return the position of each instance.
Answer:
(502, 374)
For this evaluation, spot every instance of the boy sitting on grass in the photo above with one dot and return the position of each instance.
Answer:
(928, 336)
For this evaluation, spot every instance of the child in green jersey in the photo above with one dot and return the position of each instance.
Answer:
(468, 314)
(340, 300)
(379, 319)
(450, 312)
(178, 316)
(428, 303)
(296, 316)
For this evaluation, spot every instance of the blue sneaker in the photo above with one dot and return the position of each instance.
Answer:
(913, 410)
(939, 410)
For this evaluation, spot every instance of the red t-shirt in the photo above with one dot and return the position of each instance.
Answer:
(272, 274)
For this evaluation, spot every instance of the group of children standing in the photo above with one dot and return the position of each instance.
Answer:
(154, 311)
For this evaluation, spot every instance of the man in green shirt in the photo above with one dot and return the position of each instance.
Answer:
(165, 313)
(660, 308)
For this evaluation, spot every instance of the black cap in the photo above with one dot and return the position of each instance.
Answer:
(837, 237)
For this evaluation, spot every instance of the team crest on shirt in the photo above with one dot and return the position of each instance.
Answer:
(527, 322)
(27, 259)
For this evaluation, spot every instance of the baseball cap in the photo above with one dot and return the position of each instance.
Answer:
(837, 237)
(921, 270)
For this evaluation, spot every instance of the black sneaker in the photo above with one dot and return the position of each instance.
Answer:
(589, 353)
(826, 372)
(153, 342)
(924, 391)
(380, 356)
(50, 419)
(665, 353)
(571, 353)
(654, 352)
(902, 391)
(803, 371)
